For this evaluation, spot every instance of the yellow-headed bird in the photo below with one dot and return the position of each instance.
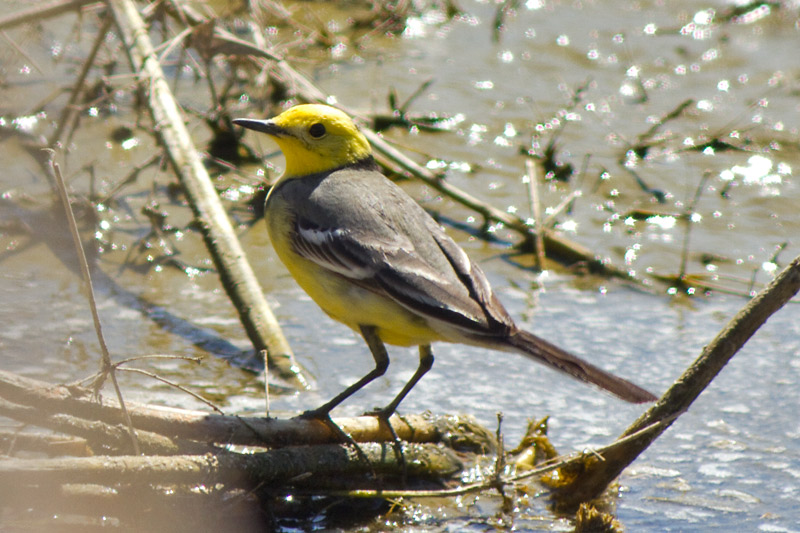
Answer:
(373, 259)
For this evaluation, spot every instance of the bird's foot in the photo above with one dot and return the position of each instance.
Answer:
(383, 415)
(323, 415)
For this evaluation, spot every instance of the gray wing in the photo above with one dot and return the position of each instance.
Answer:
(396, 250)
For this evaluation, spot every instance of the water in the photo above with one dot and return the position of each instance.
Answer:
(730, 463)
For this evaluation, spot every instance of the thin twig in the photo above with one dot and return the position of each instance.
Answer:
(689, 214)
(106, 365)
(70, 111)
(645, 137)
(21, 52)
(171, 384)
(41, 12)
(533, 171)
(562, 205)
(265, 357)
(159, 356)
(496, 480)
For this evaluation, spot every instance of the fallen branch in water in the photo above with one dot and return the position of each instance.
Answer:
(275, 468)
(235, 273)
(593, 477)
(43, 400)
(188, 449)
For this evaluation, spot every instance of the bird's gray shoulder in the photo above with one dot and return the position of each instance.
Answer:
(359, 217)
(353, 200)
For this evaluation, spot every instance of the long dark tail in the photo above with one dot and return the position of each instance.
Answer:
(554, 357)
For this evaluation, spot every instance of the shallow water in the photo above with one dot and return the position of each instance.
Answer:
(731, 463)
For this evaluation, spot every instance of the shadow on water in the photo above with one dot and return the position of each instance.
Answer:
(48, 226)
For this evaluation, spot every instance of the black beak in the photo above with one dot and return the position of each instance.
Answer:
(263, 126)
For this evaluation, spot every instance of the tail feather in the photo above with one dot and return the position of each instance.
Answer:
(554, 357)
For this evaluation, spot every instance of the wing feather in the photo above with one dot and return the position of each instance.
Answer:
(422, 269)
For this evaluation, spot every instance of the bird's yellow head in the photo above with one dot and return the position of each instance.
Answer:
(313, 138)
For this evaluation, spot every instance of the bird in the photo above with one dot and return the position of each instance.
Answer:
(372, 258)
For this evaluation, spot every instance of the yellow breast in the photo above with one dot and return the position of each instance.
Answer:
(343, 300)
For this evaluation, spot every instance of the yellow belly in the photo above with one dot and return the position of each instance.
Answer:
(344, 301)
(355, 307)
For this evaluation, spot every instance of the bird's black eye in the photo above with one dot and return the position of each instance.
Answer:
(317, 130)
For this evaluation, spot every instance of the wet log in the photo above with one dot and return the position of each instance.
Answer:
(181, 424)
(305, 465)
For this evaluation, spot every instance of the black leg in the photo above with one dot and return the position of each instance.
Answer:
(381, 364)
(425, 364)
(322, 413)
